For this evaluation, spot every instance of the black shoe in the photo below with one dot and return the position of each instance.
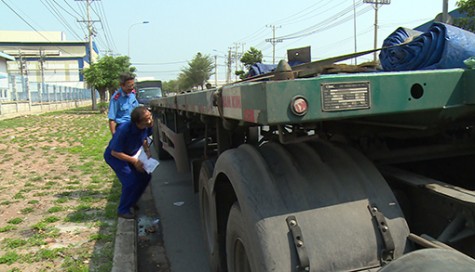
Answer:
(126, 215)
(136, 207)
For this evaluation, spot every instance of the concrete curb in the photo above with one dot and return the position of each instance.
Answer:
(125, 246)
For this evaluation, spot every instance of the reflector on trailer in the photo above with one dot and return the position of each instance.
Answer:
(299, 106)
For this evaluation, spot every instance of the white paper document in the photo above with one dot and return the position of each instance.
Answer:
(149, 164)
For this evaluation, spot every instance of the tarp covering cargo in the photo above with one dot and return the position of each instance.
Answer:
(442, 46)
(260, 68)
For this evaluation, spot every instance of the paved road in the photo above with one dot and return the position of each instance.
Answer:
(178, 207)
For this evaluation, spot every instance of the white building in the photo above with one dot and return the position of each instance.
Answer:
(46, 57)
(4, 75)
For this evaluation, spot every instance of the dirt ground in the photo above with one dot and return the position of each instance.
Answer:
(151, 253)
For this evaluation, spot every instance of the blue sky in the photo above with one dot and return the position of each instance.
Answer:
(178, 29)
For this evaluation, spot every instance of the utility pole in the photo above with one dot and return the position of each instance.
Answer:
(376, 4)
(445, 11)
(24, 78)
(236, 59)
(273, 41)
(242, 54)
(228, 73)
(216, 71)
(354, 29)
(42, 69)
(91, 49)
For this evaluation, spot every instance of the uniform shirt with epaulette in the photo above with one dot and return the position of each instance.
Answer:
(121, 106)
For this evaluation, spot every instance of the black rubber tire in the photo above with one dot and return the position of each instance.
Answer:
(431, 260)
(238, 246)
(315, 181)
(208, 216)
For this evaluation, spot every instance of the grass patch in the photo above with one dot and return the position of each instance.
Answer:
(36, 178)
(36, 240)
(61, 200)
(55, 209)
(100, 236)
(13, 243)
(7, 228)
(9, 258)
(26, 210)
(51, 219)
(15, 221)
(5, 202)
(18, 196)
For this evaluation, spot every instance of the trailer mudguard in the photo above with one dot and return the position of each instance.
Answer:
(329, 189)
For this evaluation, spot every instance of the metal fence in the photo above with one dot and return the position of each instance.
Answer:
(19, 89)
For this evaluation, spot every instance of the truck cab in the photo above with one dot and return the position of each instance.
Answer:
(148, 90)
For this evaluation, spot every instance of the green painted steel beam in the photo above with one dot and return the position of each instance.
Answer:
(433, 94)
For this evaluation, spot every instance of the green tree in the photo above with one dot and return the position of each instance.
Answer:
(197, 73)
(251, 57)
(104, 74)
(184, 82)
(467, 8)
(170, 86)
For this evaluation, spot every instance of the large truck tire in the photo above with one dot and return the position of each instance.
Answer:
(329, 190)
(238, 245)
(208, 216)
(432, 260)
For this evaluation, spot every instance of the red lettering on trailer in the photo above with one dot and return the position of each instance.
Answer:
(236, 101)
(248, 115)
(232, 101)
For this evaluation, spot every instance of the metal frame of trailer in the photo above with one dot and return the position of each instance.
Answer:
(338, 172)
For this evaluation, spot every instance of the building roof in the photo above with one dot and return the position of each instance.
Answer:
(43, 43)
(6, 56)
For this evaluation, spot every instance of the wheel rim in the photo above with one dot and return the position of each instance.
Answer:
(241, 262)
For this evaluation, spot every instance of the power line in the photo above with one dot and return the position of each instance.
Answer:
(32, 27)
(101, 37)
(65, 10)
(323, 25)
(82, 10)
(26, 22)
(73, 9)
(50, 7)
(253, 35)
(104, 25)
(310, 13)
(158, 63)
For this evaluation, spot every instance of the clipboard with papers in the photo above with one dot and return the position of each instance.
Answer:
(149, 164)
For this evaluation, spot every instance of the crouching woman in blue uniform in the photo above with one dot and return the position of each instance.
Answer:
(124, 144)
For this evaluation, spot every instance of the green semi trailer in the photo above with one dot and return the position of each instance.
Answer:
(305, 171)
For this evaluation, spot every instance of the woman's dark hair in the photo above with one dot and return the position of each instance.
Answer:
(138, 113)
(124, 77)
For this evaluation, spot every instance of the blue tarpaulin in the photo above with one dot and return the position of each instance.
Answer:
(441, 47)
(260, 68)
